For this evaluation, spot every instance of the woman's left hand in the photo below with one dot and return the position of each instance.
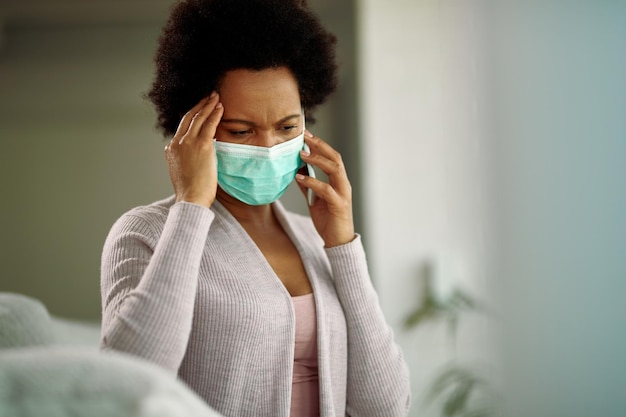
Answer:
(332, 209)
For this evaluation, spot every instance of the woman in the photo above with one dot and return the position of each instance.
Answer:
(261, 311)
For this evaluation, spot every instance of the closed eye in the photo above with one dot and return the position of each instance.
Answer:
(239, 132)
(289, 128)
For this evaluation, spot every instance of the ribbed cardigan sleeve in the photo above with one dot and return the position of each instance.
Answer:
(378, 377)
(149, 278)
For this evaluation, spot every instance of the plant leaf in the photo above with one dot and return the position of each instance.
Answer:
(456, 403)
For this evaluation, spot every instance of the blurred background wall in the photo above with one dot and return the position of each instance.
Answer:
(493, 134)
(77, 139)
(425, 173)
(559, 140)
(484, 141)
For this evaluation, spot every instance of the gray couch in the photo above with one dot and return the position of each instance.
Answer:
(51, 367)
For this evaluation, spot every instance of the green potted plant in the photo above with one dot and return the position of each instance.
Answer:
(458, 390)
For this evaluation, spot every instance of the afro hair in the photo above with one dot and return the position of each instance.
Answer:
(204, 39)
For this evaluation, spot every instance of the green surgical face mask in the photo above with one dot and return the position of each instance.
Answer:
(257, 175)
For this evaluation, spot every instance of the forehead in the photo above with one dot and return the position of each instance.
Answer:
(271, 92)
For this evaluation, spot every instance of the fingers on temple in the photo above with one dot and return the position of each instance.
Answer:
(209, 127)
(197, 121)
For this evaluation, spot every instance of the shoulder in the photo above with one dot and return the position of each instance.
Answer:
(155, 212)
(147, 220)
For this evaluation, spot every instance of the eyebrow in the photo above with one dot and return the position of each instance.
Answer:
(249, 123)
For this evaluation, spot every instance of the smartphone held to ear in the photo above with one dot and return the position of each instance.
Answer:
(310, 195)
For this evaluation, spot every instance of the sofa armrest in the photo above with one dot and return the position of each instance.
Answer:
(80, 381)
(24, 321)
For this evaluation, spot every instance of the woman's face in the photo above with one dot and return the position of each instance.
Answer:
(261, 108)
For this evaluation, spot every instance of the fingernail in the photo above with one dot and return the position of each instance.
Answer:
(218, 105)
(307, 133)
(299, 177)
(304, 153)
(213, 94)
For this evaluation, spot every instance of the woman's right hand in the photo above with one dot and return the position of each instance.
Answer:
(190, 155)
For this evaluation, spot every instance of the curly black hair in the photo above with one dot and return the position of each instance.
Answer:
(203, 39)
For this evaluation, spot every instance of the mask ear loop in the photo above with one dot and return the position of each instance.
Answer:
(310, 195)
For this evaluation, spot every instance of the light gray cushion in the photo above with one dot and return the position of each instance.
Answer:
(75, 332)
(24, 321)
(64, 381)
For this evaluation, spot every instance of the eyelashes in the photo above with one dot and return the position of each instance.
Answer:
(242, 133)
(239, 132)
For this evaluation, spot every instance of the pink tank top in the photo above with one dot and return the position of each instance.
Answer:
(305, 389)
